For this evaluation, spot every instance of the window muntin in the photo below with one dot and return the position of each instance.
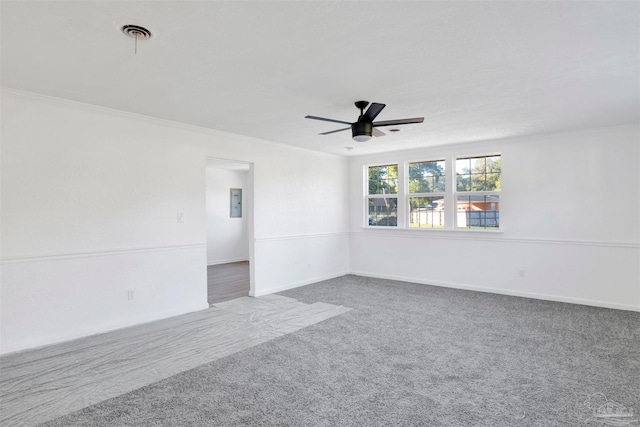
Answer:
(426, 194)
(470, 188)
(478, 211)
(426, 212)
(383, 211)
(426, 177)
(478, 173)
(382, 200)
(383, 179)
(477, 196)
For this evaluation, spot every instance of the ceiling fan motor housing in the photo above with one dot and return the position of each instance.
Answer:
(361, 131)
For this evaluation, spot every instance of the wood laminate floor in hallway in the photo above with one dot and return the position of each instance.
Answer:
(227, 281)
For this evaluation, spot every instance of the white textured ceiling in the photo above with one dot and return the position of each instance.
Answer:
(474, 70)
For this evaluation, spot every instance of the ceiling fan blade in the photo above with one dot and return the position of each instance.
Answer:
(334, 131)
(327, 120)
(377, 132)
(399, 122)
(372, 112)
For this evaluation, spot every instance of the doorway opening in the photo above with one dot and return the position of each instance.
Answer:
(229, 216)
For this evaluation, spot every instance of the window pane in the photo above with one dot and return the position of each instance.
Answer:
(426, 212)
(463, 166)
(478, 182)
(478, 174)
(426, 177)
(383, 211)
(493, 164)
(493, 181)
(383, 179)
(478, 212)
(463, 182)
(494, 173)
(477, 164)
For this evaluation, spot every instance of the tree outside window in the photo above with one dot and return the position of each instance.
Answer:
(383, 208)
(426, 194)
(478, 184)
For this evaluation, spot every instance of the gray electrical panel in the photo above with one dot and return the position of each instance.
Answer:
(236, 203)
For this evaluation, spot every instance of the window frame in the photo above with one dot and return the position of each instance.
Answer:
(450, 194)
(483, 193)
(409, 195)
(395, 195)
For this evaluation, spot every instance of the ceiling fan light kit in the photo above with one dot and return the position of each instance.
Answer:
(364, 128)
(361, 131)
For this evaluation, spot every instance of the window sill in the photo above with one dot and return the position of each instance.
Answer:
(436, 230)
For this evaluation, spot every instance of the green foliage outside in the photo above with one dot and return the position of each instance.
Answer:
(383, 179)
(478, 174)
(426, 177)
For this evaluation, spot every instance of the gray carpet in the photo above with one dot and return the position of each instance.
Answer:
(407, 355)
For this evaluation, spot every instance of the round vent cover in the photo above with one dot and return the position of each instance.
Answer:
(136, 32)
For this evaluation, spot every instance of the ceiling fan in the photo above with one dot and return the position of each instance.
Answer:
(365, 127)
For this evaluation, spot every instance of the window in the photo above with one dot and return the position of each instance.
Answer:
(382, 196)
(446, 193)
(477, 195)
(426, 194)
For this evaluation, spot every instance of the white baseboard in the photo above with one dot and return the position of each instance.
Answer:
(298, 284)
(226, 261)
(499, 291)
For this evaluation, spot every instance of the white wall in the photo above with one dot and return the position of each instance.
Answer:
(89, 208)
(90, 198)
(227, 238)
(569, 218)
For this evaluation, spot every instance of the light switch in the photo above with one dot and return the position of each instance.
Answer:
(180, 217)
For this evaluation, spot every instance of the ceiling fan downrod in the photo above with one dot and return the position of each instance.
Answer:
(361, 105)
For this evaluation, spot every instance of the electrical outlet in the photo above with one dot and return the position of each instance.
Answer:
(130, 294)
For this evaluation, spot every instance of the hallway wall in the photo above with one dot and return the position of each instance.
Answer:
(90, 206)
(227, 238)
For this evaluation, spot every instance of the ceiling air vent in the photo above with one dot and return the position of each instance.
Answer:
(136, 32)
